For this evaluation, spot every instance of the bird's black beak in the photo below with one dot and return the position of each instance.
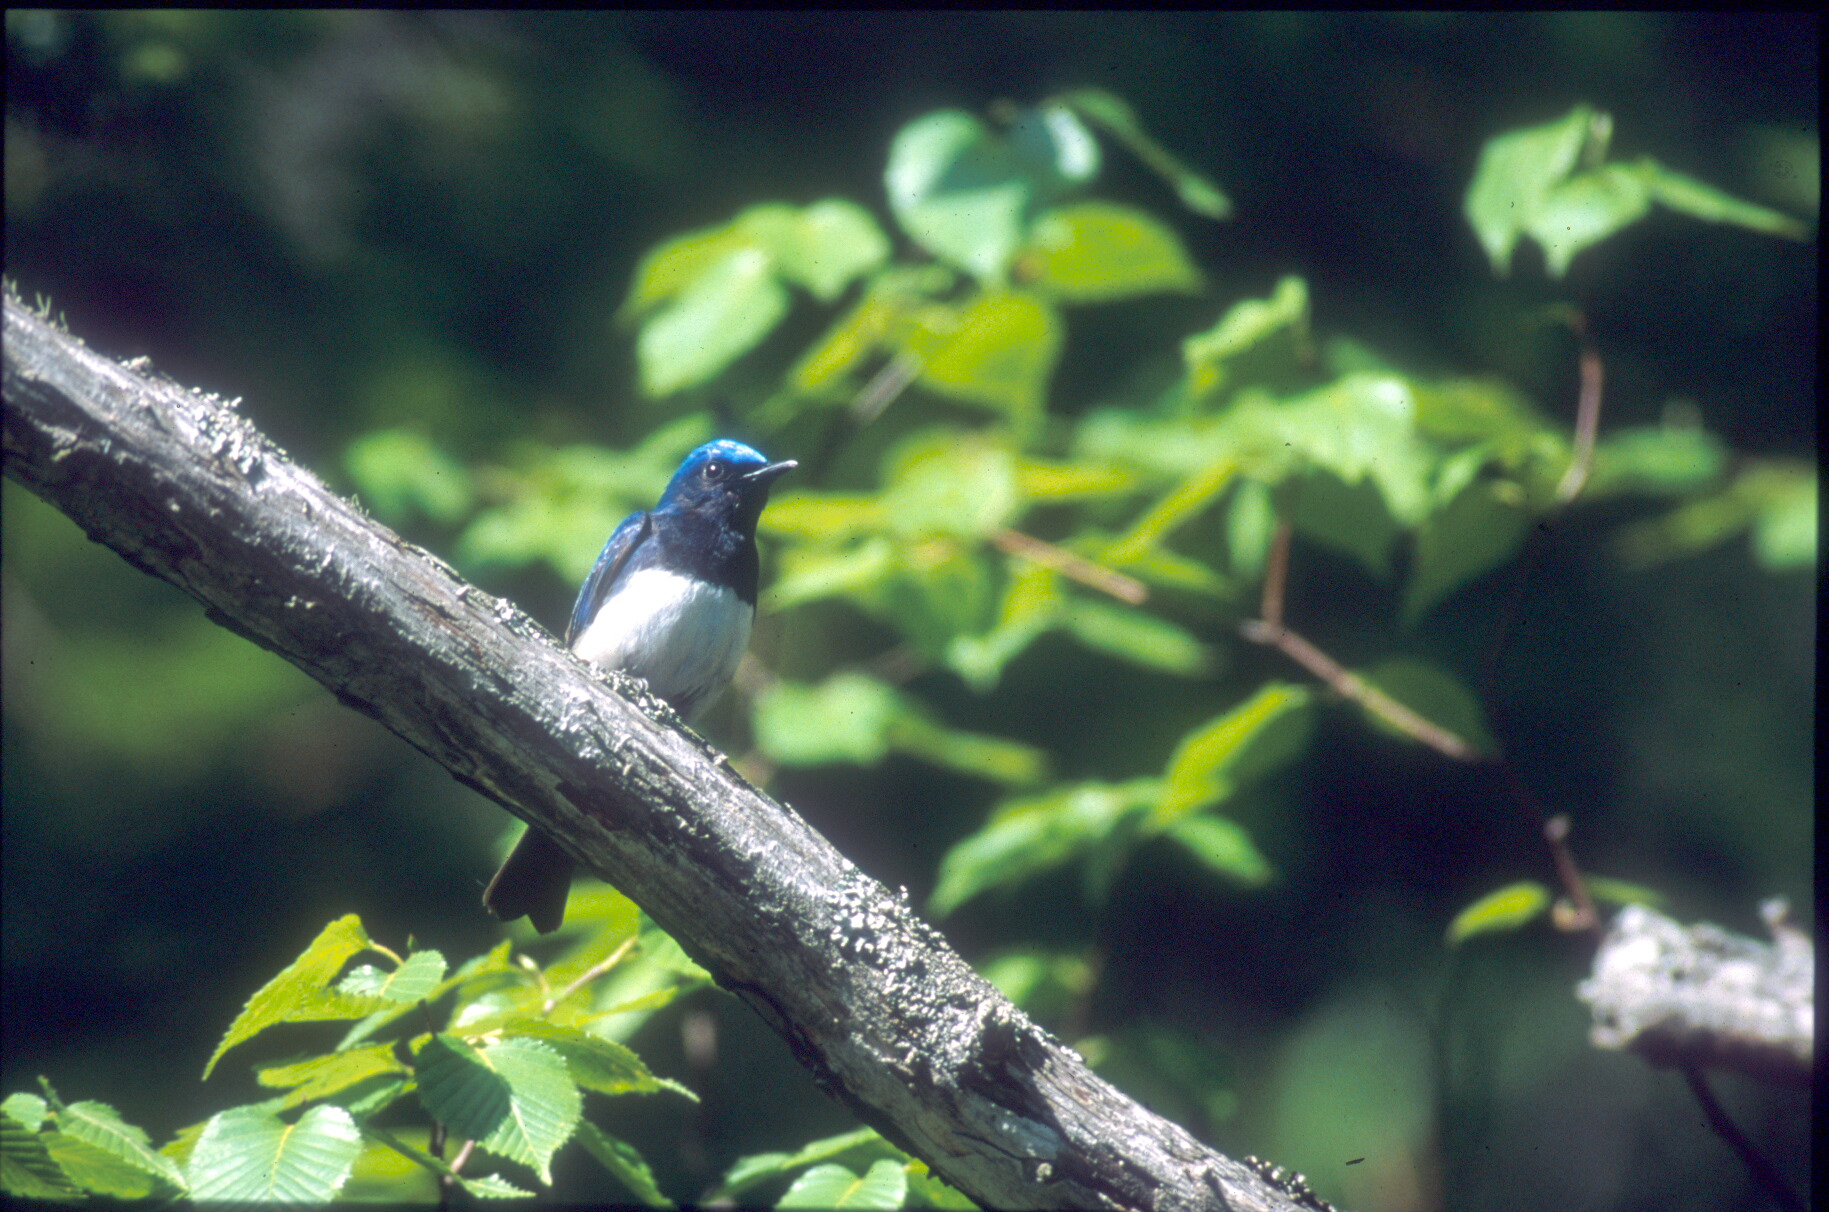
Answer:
(768, 474)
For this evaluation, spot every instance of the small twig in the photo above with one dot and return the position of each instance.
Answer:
(1586, 916)
(1587, 415)
(1763, 1171)
(1276, 575)
(1270, 630)
(590, 974)
(1079, 568)
(1350, 685)
(892, 380)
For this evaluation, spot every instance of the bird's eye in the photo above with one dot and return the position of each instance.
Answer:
(714, 470)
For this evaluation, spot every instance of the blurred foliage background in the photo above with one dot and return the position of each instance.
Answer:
(415, 245)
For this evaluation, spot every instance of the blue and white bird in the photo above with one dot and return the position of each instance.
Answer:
(670, 601)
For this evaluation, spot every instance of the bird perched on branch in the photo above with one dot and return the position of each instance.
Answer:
(670, 601)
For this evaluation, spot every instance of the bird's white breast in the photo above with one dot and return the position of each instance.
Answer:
(682, 635)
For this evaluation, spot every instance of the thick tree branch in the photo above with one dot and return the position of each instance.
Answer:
(870, 998)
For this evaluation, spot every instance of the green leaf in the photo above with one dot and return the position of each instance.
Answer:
(829, 245)
(1509, 908)
(1032, 603)
(1098, 251)
(680, 262)
(1478, 531)
(322, 1076)
(997, 350)
(761, 1167)
(624, 1163)
(301, 993)
(1777, 500)
(1434, 694)
(1688, 196)
(1353, 519)
(1660, 460)
(721, 315)
(1224, 846)
(808, 574)
(1197, 193)
(915, 733)
(1526, 184)
(27, 1169)
(1246, 324)
(1132, 635)
(1622, 892)
(248, 1154)
(1032, 834)
(592, 1062)
(833, 1186)
(1181, 505)
(1216, 759)
(1250, 528)
(400, 471)
(412, 981)
(941, 483)
(514, 1098)
(953, 192)
(1586, 209)
(1517, 173)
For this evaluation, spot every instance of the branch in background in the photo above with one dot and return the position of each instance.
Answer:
(1699, 997)
(1270, 631)
(871, 999)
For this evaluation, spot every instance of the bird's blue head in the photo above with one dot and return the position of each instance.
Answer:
(725, 480)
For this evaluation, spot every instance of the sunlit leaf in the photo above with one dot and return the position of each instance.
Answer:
(721, 315)
(301, 993)
(954, 195)
(998, 350)
(1096, 251)
(1509, 908)
(250, 1155)
(1246, 323)
(832, 1186)
(1245, 743)
(1034, 834)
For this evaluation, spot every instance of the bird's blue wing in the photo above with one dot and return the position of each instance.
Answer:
(627, 537)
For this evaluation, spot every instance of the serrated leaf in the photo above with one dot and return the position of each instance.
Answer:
(515, 1098)
(248, 1154)
(102, 1126)
(1243, 744)
(885, 1185)
(716, 319)
(410, 982)
(322, 1076)
(1508, 908)
(27, 1169)
(624, 1163)
(98, 1171)
(1094, 252)
(493, 1186)
(594, 1063)
(301, 993)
